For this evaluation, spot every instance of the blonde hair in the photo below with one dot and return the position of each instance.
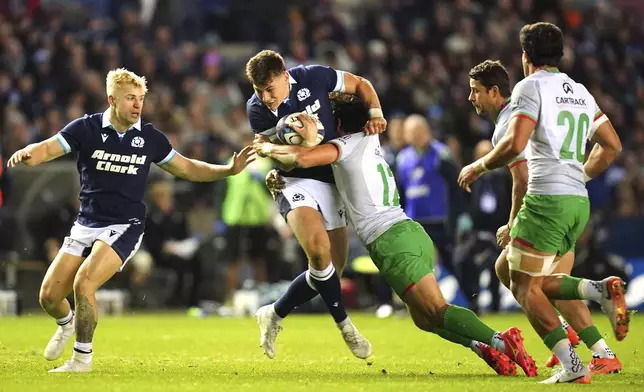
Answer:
(120, 77)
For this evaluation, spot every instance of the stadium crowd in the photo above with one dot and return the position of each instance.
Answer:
(54, 55)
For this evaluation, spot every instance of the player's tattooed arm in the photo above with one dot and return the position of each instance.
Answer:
(199, 171)
(357, 85)
(37, 153)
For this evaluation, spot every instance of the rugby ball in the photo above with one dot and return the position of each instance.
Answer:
(287, 135)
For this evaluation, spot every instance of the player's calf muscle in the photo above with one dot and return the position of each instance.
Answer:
(85, 318)
(426, 298)
(339, 248)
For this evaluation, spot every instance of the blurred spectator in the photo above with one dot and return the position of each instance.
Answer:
(477, 251)
(168, 241)
(248, 212)
(427, 177)
(50, 229)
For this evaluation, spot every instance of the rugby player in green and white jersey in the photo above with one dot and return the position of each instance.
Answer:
(553, 116)
(398, 246)
(490, 96)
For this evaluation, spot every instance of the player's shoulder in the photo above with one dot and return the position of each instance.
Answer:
(529, 82)
(91, 119)
(503, 117)
(149, 128)
(307, 73)
(297, 73)
(501, 126)
(352, 137)
(86, 123)
(148, 132)
(348, 140)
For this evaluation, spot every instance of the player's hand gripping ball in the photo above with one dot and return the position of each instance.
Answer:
(290, 129)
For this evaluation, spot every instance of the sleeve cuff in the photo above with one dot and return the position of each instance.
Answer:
(339, 148)
(526, 115)
(599, 120)
(66, 147)
(339, 84)
(168, 157)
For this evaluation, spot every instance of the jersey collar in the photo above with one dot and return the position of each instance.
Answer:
(503, 106)
(107, 123)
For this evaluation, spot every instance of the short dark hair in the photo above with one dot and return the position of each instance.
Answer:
(349, 112)
(263, 67)
(492, 73)
(543, 43)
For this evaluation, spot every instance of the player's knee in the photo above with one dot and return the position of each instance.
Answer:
(318, 251)
(434, 311)
(47, 296)
(83, 285)
(423, 324)
(420, 319)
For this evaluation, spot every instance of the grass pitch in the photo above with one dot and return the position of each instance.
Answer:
(172, 352)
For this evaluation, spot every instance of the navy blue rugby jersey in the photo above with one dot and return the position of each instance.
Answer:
(310, 87)
(113, 167)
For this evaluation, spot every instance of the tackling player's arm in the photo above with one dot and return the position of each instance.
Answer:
(199, 171)
(301, 156)
(298, 156)
(606, 149)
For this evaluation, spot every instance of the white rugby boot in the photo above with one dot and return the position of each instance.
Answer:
(269, 326)
(568, 376)
(72, 366)
(358, 344)
(57, 343)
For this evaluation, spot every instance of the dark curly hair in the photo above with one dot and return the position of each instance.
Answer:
(492, 73)
(349, 112)
(543, 44)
